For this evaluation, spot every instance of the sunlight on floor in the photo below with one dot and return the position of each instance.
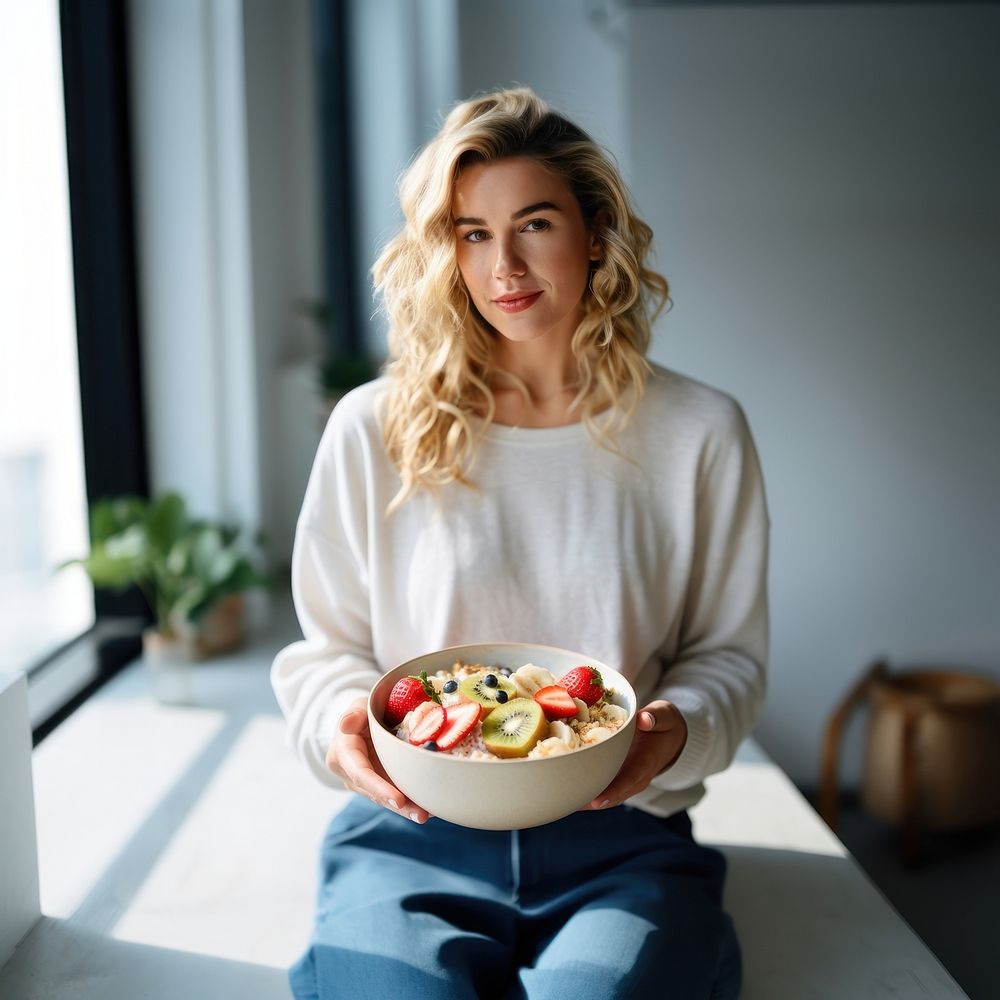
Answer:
(140, 752)
(240, 845)
(759, 792)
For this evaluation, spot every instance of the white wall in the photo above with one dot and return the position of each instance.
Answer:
(570, 52)
(824, 183)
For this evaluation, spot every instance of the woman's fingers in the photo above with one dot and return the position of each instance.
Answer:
(362, 775)
(352, 757)
(354, 721)
(358, 772)
(633, 776)
(660, 717)
(661, 733)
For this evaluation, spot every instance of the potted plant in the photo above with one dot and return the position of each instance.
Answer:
(193, 574)
(342, 366)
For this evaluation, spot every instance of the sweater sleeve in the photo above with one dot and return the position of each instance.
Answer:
(716, 674)
(316, 678)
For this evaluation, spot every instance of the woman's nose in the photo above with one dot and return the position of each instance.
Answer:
(507, 262)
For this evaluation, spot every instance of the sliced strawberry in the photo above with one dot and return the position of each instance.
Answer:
(406, 694)
(584, 683)
(556, 702)
(460, 720)
(426, 722)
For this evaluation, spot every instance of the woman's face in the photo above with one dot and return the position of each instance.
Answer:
(523, 248)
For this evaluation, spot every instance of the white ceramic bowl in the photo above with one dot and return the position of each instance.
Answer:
(501, 794)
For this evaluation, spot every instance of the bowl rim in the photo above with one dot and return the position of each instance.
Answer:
(585, 661)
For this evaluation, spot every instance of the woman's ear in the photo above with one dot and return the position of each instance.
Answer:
(597, 228)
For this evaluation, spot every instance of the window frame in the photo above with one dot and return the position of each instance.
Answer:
(94, 37)
(331, 30)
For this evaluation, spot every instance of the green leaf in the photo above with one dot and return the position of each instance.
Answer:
(189, 600)
(207, 552)
(179, 557)
(338, 374)
(109, 570)
(111, 517)
(103, 523)
(223, 566)
(130, 544)
(167, 521)
(244, 577)
(230, 534)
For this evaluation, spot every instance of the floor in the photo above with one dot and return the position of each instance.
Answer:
(949, 897)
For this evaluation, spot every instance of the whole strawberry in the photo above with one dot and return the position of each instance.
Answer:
(584, 683)
(406, 694)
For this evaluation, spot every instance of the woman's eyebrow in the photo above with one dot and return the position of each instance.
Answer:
(539, 206)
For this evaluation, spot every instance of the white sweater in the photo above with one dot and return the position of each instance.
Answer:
(655, 564)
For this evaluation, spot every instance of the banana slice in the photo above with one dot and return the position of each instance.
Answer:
(551, 747)
(530, 678)
(614, 713)
(559, 730)
(597, 735)
(582, 710)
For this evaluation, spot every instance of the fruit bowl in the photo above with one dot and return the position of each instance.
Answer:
(508, 794)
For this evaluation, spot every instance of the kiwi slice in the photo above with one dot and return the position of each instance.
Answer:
(488, 689)
(511, 730)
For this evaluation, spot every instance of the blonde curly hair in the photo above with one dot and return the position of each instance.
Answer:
(441, 365)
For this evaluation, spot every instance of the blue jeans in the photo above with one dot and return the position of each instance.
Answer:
(602, 904)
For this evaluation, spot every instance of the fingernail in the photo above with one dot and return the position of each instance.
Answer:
(413, 816)
(392, 804)
(603, 803)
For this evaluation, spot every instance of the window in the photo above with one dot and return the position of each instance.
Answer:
(43, 509)
(71, 427)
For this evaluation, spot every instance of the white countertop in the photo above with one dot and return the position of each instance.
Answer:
(178, 847)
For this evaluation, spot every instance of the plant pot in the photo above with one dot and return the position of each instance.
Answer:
(220, 629)
(170, 664)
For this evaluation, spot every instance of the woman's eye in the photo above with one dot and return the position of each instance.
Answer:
(537, 225)
(476, 236)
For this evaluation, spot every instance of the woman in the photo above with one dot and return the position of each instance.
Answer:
(522, 473)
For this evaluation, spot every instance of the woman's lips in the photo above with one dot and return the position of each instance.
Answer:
(517, 304)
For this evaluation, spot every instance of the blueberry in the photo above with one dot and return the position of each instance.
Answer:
(450, 686)
(502, 696)
(430, 745)
(490, 680)
(505, 671)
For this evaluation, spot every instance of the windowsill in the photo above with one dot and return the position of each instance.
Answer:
(57, 682)
(41, 612)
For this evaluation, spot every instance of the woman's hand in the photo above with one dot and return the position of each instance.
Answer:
(659, 738)
(351, 756)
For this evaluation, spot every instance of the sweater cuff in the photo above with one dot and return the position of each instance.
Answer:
(690, 767)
